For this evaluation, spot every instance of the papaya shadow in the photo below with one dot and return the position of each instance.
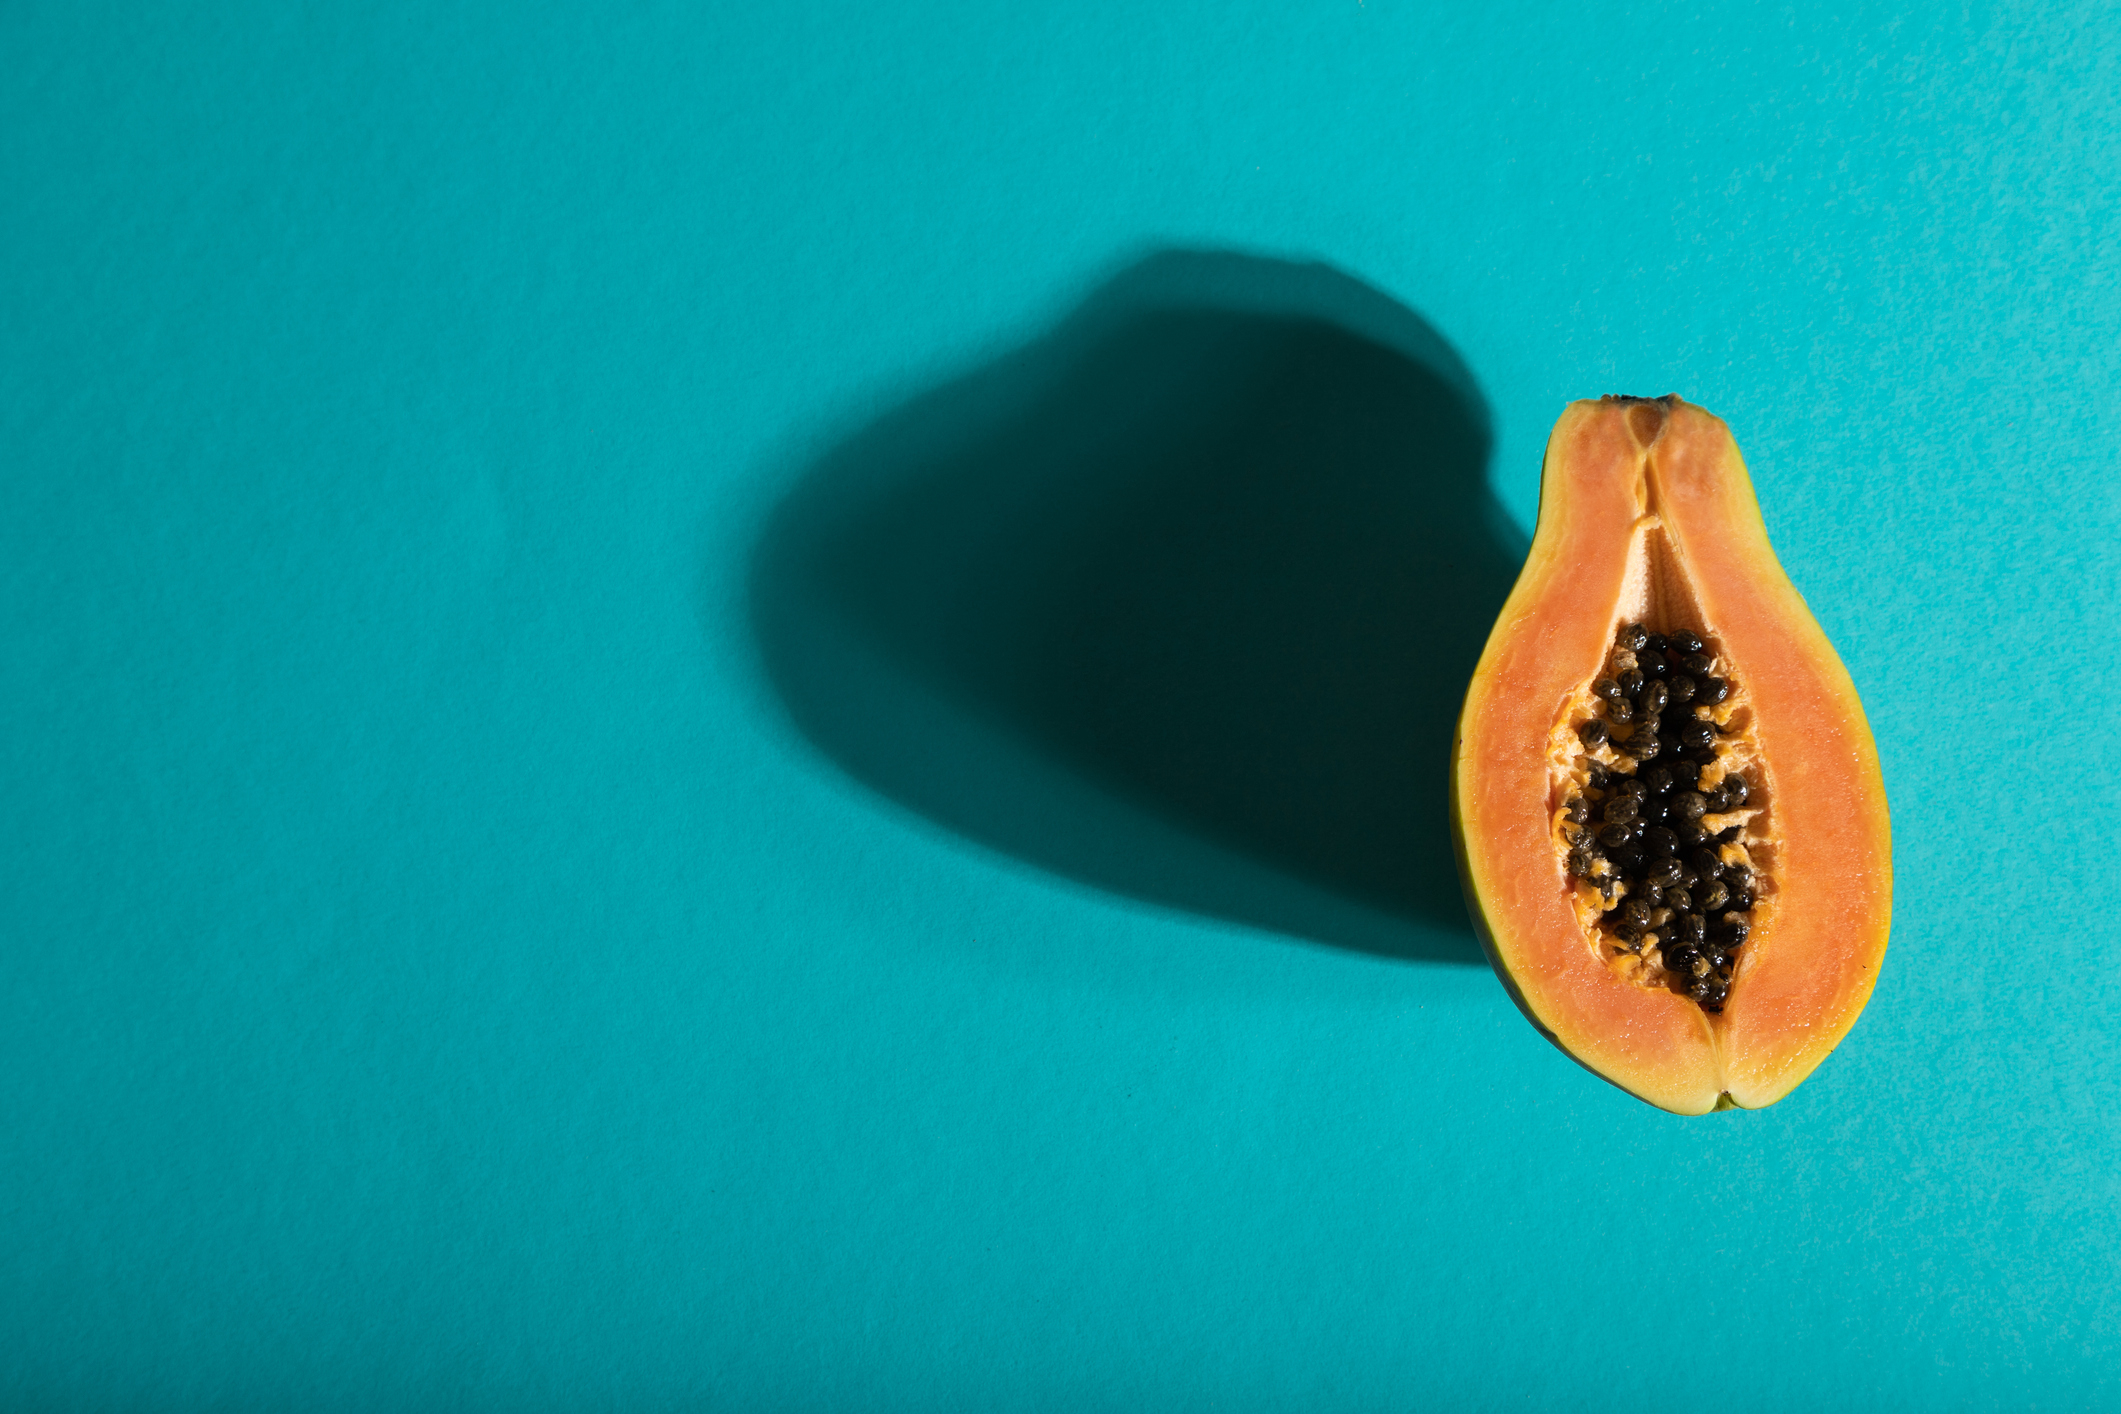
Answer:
(1178, 601)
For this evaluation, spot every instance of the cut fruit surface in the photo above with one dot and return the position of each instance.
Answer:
(1669, 816)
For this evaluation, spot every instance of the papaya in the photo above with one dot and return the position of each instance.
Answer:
(1669, 818)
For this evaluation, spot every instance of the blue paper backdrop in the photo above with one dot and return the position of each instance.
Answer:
(696, 702)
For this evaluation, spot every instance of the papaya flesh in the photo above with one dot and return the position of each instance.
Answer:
(1705, 943)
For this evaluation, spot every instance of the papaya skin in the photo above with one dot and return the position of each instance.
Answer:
(1647, 512)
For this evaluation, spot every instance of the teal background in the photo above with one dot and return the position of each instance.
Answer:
(548, 861)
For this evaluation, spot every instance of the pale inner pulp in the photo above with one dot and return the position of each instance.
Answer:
(1698, 937)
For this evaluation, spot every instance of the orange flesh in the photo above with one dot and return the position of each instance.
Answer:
(1646, 512)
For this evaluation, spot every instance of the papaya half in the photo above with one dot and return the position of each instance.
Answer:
(1669, 817)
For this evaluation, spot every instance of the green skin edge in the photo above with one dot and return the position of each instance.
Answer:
(1487, 945)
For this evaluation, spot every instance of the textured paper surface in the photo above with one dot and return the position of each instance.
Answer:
(699, 702)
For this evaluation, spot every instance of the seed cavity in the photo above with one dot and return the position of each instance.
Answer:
(1656, 817)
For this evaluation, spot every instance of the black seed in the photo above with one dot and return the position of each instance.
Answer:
(1634, 832)
(1728, 835)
